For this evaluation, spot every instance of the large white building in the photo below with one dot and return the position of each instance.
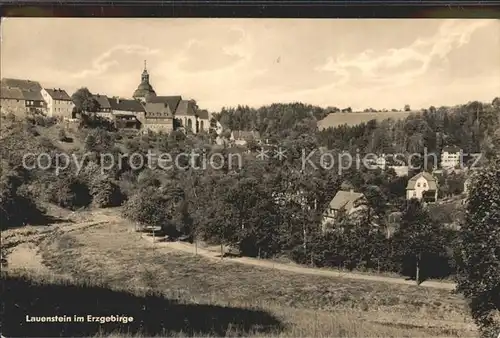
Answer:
(59, 103)
(451, 157)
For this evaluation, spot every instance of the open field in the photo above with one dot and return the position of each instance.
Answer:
(102, 266)
(351, 119)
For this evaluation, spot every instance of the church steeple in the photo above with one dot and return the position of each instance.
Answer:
(145, 74)
(144, 90)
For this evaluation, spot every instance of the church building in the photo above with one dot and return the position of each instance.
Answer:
(162, 111)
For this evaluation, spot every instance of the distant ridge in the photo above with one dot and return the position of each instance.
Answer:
(354, 118)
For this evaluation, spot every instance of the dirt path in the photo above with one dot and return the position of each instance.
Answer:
(303, 270)
(25, 254)
(22, 244)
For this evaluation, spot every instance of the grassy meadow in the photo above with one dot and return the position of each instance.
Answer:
(109, 269)
(351, 119)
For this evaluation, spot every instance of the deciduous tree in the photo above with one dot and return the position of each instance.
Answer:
(479, 268)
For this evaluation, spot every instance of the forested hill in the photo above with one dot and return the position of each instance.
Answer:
(473, 127)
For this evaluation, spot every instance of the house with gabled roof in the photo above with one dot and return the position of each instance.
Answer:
(20, 96)
(344, 203)
(104, 106)
(422, 186)
(241, 137)
(59, 103)
(127, 122)
(157, 117)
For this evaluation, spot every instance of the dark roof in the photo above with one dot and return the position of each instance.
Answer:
(27, 85)
(126, 105)
(452, 149)
(58, 94)
(345, 200)
(144, 89)
(21, 90)
(203, 114)
(11, 93)
(171, 101)
(185, 107)
(103, 101)
(431, 180)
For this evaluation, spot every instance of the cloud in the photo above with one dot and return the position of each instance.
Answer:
(105, 61)
(202, 79)
(213, 54)
(401, 66)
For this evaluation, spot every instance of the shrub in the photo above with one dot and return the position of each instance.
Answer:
(62, 136)
(157, 208)
(3, 257)
(147, 207)
(15, 209)
(99, 140)
(70, 193)
(106, 193)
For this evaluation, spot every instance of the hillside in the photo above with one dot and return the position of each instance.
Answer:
(351, 119)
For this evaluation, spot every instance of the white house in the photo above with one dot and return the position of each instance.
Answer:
(59, 103)
(422, 186)
(451, 157)
(240, 137)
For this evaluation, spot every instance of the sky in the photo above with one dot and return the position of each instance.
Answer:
(358, 63)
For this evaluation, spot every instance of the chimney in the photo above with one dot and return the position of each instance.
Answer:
(117, 100)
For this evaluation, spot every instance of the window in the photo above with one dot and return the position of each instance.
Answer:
(414, 194)
(418, 185)
(425, 185)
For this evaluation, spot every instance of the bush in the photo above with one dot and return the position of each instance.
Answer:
(39, 119)
(99, 140)
(15, 209)
(62, 136)
(70, 193)
(147, 207)
(3, 257)
(156, 208)
(106, 193)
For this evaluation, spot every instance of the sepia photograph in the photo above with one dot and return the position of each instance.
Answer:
(257, 177)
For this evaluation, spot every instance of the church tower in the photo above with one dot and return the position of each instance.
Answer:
(144, 91)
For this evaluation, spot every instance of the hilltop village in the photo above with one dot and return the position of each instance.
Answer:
(145, 110)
